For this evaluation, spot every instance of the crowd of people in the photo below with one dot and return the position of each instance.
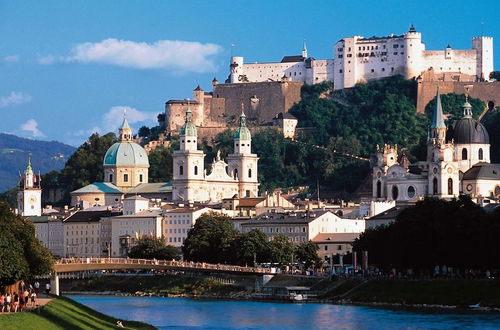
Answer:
(23, 298)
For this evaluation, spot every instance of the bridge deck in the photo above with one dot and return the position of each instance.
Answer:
(82, 264)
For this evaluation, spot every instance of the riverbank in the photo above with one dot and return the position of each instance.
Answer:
(64, 313)
(483, 295)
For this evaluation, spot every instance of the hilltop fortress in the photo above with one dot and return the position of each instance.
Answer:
(264, 90)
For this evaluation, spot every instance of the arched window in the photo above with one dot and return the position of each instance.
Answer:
(196, 170)
(411, 191)
(249, 172)
(480, 154)
(125, 177)
(140, 177)
(395, 192)
(435, 186)
(464, 154)
(235, 173)
(111, 178)
(450, 186)
(379, 189)
(181, 170)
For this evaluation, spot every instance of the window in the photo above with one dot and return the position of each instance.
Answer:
(411, 191)
(326, 247)
(196, 170)
(235, 174)
(140, 177)
(450, 186)
(125, 177)
(111, 178)
(395, 192)
(247, 194)
(249, 172)
(464, 154)
(480, 154)
(379, 189)
(181, 170)
(435, 186)
(339, 247)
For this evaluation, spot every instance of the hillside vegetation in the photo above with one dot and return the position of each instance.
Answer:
(46, 156)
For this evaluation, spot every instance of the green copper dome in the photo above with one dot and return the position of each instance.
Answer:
(126, 154)
(188, 129)
(242, 133)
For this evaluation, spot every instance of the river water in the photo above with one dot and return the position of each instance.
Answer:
(183, 313)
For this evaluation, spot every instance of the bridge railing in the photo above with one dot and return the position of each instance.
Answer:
(166, 263)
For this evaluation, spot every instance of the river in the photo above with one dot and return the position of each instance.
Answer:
(183, 313)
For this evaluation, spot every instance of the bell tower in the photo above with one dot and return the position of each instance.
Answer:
(242, 164)
(29, 197)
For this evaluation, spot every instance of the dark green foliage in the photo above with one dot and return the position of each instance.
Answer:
(14, 151)
(21, 254)
(144, 131)
(495, 75)
(10, 197)
(160, 165)
(251, 246)
(154, 247)
(307, 253)
(492, 122)
(436, 232)
(210, 239)
(86, 164)
(282, 249)
(453, 105)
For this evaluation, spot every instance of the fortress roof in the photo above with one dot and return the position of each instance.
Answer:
(182, 102)
(293, 58)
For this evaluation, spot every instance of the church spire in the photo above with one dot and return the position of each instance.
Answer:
(304, 50)
(467, 107)
(125, 132)
(438, 127)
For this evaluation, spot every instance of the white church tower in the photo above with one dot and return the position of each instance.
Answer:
(242, 164)
(188, 166)
(29, 197)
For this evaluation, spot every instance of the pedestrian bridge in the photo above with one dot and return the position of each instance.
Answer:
(67, 265)
(82, 264)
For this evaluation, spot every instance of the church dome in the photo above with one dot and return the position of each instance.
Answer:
(126, 154)
(242, 132)
(468, 130)
(188, 129)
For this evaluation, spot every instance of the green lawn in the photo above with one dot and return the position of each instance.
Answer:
(64, 313)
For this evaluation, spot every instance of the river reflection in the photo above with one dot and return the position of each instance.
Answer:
(181, 313)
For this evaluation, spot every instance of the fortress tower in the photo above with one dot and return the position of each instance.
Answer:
(29, 197)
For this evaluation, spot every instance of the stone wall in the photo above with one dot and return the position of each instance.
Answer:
(489, 92)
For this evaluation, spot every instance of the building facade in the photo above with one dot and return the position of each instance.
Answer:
(177, 223)
(236, 177)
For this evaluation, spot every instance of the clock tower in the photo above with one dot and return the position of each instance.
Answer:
(29, 197)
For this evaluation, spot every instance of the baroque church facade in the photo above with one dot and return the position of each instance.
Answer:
(236, 177)
(457, 162)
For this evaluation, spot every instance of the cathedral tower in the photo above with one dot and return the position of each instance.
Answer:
(243, 163)
(29, 197)
(188, 165)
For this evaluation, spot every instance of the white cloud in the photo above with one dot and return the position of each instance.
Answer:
(32, 126)
(11, 58)
(46, 60)
(112, 119)
(175, 55)
(14, 98)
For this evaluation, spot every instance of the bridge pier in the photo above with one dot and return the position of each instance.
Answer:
(54, 284)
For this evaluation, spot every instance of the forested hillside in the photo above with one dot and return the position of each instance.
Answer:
(46, 156)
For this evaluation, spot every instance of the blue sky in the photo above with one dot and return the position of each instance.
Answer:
(68, 68)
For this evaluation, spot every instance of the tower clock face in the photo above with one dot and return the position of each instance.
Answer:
(32, 199)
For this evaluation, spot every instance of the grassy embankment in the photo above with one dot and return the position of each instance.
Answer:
(160, 284)
(64, 313)
(436, 292)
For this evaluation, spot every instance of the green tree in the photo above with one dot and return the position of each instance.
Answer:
(148, 247)
(210, 239)
(495, 75)
(144, 131)
(307, 253)
(21, 254)
(492, 121)
(281, 249)
(269, 145)
(86, 164)
(160, 165)
(453, 106)
(250, 247)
